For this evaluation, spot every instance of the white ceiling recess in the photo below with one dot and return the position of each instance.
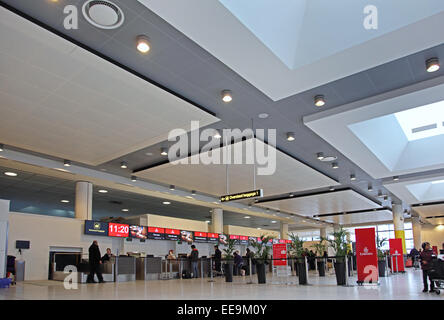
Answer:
(333, 202)
(61, 100)
(435, 210)
(360, 218)
(290, 175)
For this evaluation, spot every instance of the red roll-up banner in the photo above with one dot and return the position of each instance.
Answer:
(366, 255)
(280, 252)
(397, 255)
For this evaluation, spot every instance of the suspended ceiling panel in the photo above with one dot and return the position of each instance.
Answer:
(59, 99)
(436, 210)
(290, 175)
(359, 218)
(340, 201)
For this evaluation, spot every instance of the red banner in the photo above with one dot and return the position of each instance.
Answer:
(366, 255)
(280, 252)
(397, 255)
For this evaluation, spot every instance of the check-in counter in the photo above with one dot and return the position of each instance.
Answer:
(148, 268)
(125, 269)
(203, 266)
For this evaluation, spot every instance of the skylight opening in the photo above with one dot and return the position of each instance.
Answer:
(422, 122)
(437, 181)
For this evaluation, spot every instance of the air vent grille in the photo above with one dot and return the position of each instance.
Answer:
(103, 14)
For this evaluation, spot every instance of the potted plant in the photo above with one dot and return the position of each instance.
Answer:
(340, 247)
(261, 255)
(381, 256)
(320, 248)
(228, 265)
(297, 253)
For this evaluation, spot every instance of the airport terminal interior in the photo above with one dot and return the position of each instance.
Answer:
(221, 149)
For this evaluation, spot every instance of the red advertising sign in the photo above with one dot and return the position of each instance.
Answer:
(213, 235)
(118, 230)
(243, 238)
(172, 231)
(366, 255)
(282, 241)
(397, 255)
(172, 234)
(156, 230)
(279, 252)
(234, 237)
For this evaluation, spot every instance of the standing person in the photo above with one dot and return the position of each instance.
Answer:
(171, 255)
(238, 263)
(426, 265)
(194, 256)
(94, 263)
(217, 258)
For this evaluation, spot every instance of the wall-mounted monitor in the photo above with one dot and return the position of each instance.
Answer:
(213, 237)
(186, 236)
(172, 234)
(223, 239)
(118, 230)
(139, 232)
(22, 244)
(243, 240)
(156, 233)
(96, 228)
(252, 239)
(235, 238)
(200, 236)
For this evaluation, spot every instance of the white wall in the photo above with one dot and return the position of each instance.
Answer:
(433, 234)
(4, 212)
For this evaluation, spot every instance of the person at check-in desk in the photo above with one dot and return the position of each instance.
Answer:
(107, 256)
(194, 257)
(94, 263)
(171, 255)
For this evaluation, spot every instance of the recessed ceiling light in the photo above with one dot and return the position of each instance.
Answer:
(432, 65)
(320, 156)
(263, 115)
(2, 147)
(319, 100)
(172, 187)
(352, 177)
(143, 44)
(163, 151)
(11, 174)
(226, 96)
(331, 189)
(395, 178)
(123, 165)
(166, 202)
(133, 178)
(125, 210)
(290, 136)
(64, 201)
(259, 228)
(247, 217)
(273, 221)
(291, 195)
(370, 188)
(328, 158)
(334, 165)
(437, 181)
(103, 191)
(217, 135)
(67, 163)
(193, 192)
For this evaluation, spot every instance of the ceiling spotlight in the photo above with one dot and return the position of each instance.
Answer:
(226, 96)
(166, 202)
(11, 174)
(247, 217)
(103, 191)
(2, 147)
(334, 165)
(259, 228)
(263, 115)
(67, 163)
(395, 178)
(64, 201)
(273, 221)
(291, 195)
(133, 178)
(331, 189)
(290, 136)
(172, 187)
(319, 100)
(352, 177)
(370, 188)
(123, 165)
(125, 210)
(217, 135)
(193, 192)
(163, 151)
(432, 65)
(143, 44)
(249, 205)
(320, 156)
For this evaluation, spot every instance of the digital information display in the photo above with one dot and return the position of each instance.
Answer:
(252, 239)
(223, 239)
(118, 230)
(243, 240)
(242, 195)
(172, 234)
(96, 228)
(235, 238)
(213, 238)
(155, 233)
(139, 232)
(200, 236)
(186, 236)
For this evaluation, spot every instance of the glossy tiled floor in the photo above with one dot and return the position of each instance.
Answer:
(401, 286)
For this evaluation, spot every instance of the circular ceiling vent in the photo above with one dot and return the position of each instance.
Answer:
(103, 14)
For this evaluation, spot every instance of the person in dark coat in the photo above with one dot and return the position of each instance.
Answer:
(217, 258)
(194, 257)
(94, 263)
(426, 265)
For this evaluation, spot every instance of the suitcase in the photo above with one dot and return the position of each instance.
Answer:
(409, 263)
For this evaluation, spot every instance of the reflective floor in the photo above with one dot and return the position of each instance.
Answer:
(400, 286)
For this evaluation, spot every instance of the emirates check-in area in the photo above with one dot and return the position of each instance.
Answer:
(281, 150)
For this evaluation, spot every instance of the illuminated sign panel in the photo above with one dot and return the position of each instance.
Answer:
(242, 195)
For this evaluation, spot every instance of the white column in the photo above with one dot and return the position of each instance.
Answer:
(323, 232)
(217, 220)
(4, 226)
(83, 205)
(284, 230)
(416, 226)
(398, 223)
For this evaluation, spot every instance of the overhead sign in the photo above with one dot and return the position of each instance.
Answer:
(280, 253)
(172, 234)
(200, 236)
(156, 233)
(213, 237)
(96, 228)
(118, 230)
(366, 255)
(397, 255)
(242, 196)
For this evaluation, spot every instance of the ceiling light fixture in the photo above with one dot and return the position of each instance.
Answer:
(11, 174)
(164, 151)
(334, 165)
(166, 202)
(370, 188)
(331, 189)
(64, 201)
(125, 210)
(217, 134)
(263, 115)
(320, 156)
(319, 100)
(208, 221)
(273, 221)
(291, 195)
(247, 217)
(432, 65)
(67, 163)
(123, 165)
(395, 178)
(226, 96)
(103, 191)
(2, 147)
(143, 44)
(193, 192)
(259, 228)
(352, 177)
(133, 178)
(172, 187)
(290, 136)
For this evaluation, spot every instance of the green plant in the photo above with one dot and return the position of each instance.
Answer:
(262, 251)
(340, 244)
(296, 249)
(229, 250)
(320, 247)
(379, 244)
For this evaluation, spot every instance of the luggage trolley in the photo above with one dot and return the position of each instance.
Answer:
(437, 274)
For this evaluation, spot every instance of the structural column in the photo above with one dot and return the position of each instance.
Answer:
(217, 220)
(398, 222)
(323, 233)
(83, 204)
(4, 226)
(284, 230)
(416, 226)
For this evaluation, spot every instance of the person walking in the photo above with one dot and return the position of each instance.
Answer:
(426, 265)
(194, 257)
(94, 263)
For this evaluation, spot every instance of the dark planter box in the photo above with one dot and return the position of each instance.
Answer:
(302, 272)
(340, 273)
(261, 275)
(321, 268)
(228, 267)
(381, 268)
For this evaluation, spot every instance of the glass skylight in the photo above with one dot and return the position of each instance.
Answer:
(438, 181)
(422, 122)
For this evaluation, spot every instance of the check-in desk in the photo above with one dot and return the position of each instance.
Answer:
(148, 268)
(203, 266)
(125, 269)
